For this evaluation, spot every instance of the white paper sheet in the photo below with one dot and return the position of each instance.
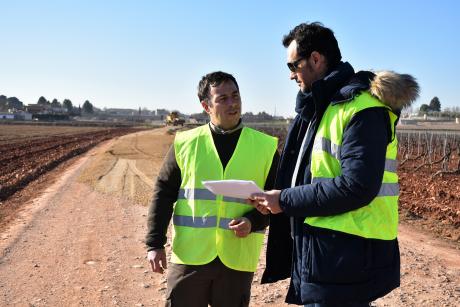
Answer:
(232, 188)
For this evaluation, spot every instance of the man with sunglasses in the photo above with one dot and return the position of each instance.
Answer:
(335, 207)
(216, 240)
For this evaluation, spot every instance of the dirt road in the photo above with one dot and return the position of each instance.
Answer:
(80, 243)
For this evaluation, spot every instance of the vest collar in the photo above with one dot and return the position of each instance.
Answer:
(219, 130)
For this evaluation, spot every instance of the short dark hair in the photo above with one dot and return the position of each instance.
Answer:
(314, 37)
(213, 79)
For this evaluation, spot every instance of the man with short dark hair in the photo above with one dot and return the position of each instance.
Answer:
(337, 187)
(217, 240)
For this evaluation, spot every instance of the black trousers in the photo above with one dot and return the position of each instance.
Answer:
(212, 283)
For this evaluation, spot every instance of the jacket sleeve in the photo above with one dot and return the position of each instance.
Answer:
(165, 194)
(258, 220)
(363, 152)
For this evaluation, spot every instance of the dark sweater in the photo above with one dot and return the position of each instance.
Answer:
(168, 184)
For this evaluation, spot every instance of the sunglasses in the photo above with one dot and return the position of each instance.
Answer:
(293, 66)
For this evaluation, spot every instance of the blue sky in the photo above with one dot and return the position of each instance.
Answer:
(130, 54)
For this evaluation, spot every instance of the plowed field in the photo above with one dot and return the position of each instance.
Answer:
(26, 152)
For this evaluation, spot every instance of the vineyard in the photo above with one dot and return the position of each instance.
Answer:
(436, 152)
(429, 172)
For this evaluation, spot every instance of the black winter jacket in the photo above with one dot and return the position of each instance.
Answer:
(328, 266)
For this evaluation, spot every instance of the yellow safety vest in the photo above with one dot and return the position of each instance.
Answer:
(200, 219)
(378, 219)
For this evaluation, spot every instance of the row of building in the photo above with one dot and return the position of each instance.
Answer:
(49, 112)
(32, 111)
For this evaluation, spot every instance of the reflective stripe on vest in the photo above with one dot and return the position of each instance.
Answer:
(378, 219)
(195, 222)
(386, 189)
(200, 220)
(203, 194)
(334, 150)
(203, 222)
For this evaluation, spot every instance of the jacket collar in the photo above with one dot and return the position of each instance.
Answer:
(358, 82)
(323, 90)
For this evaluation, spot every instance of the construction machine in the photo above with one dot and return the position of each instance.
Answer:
(173, 119)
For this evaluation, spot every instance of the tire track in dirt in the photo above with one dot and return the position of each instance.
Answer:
(121, 174)
(110, 169)
(136, 148)
(139, 174)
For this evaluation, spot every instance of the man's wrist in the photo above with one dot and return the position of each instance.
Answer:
(281, 200)
(248, 221)
(151, 248)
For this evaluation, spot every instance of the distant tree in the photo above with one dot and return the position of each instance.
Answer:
(88, 107)
(55, 103)
(202, 116)
(14, 103)
(76, 111)
(435, 104)
(264, 116)
(68, 105)
(424, 108)
(3, 100)
(42, 100)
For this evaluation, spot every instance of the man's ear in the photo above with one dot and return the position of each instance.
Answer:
(318, 59)
(205, 106)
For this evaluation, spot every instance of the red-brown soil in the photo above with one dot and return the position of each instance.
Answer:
(21, 162)
(68, 239)
(433, 202)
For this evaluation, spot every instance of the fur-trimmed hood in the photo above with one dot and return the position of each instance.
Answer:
(395, 90)
(342, 84)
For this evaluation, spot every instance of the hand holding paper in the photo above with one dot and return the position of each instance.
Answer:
(269, 200)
